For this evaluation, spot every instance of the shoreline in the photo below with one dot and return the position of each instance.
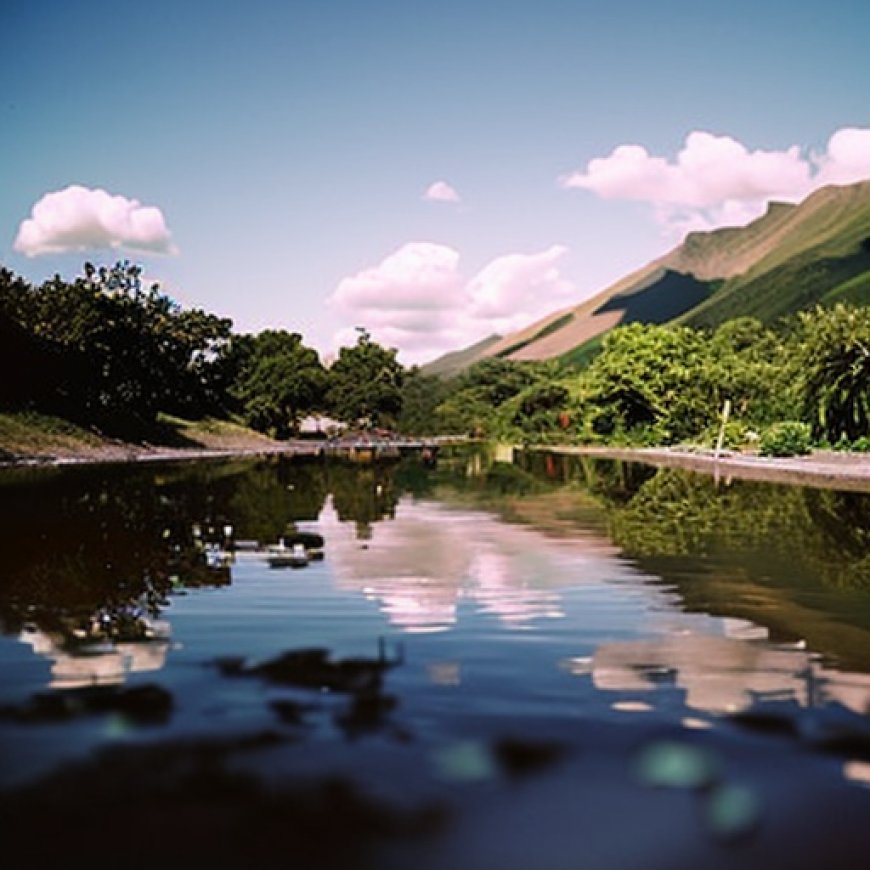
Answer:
(133, 453)
(823, 469)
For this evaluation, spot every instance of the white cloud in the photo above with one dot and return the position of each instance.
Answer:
(441, 191)
(847, 158)
(509, 286)
(420, 275)
(716, 180)
(79, 218)
(417, 299)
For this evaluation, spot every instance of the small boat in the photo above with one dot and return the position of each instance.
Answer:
(283, 556)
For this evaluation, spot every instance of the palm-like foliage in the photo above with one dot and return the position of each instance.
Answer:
(835, 371)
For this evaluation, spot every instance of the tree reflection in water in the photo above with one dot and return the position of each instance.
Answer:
(91, 556)
(794, 559)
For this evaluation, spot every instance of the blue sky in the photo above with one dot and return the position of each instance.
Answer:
(270, 160)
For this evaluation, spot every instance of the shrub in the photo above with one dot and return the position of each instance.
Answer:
(788, 438)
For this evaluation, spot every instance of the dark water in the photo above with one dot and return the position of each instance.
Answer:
(519, 663)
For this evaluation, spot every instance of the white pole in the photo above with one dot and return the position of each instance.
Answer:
(726, 413)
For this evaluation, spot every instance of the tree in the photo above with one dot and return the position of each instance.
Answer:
(474, 400)
(120, 352)
(652, 379)
(753, 367)
(834, 366)
(421, 396)
(365, 384)
(280, 381)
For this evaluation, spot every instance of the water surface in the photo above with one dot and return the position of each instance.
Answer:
(568, 605)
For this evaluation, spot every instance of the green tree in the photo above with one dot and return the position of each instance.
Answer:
(123, 351)
(653, 381)
(834, 365)
(421, 396)
(365, 384)
(474, 399)
(280, 381)
(754, 367)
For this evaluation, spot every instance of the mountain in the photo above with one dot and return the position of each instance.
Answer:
(792, 257)
(452, 363)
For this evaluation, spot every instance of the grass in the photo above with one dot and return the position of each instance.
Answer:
(210, 433)
(28, 433)
(578, 358)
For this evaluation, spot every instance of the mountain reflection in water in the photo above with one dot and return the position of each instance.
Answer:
(477, 621)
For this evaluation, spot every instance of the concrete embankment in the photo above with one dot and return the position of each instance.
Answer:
(822, 468)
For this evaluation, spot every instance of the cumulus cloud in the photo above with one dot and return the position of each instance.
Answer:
(441, 191)
(418, 300)
(846, 159)
(79, 218)
(716, 180)
(514, 283)
(420, 275)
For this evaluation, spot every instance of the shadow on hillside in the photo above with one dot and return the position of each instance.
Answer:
(668, 297)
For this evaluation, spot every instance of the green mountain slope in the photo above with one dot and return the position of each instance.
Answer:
(452, 363)
(792, 257)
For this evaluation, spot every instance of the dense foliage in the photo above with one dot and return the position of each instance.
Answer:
(365, 384)
(105, 351)
(280, 381)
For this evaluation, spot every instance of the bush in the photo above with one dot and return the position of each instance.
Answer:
(737, 435)
(788, 438)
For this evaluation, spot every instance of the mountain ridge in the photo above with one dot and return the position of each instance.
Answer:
(789, 258)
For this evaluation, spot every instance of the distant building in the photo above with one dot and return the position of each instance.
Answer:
(317, 426)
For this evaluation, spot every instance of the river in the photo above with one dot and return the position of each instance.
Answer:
(486, 664)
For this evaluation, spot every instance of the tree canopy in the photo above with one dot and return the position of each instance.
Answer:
(280, 381)
(365, 384)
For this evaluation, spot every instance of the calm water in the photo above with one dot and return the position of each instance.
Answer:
(581, 609)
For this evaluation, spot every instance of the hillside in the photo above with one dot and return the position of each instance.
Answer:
(451, 363)
(791, 257)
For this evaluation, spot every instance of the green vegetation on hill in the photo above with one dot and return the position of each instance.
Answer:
(655, 384)
(452, 363)
(797, 284)
(788, 260)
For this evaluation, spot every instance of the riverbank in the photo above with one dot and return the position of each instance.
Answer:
(28, 439)
(825, 469)
(32, 439)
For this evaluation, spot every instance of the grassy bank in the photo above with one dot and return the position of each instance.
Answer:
(32, 436)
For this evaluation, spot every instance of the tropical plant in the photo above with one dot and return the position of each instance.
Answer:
(834, 365)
